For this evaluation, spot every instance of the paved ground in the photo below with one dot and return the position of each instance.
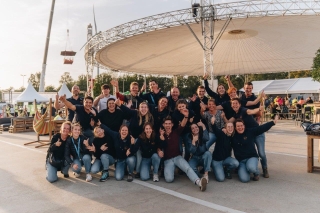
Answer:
(289, 189)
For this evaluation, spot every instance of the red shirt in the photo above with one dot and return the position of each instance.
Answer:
(171, 146)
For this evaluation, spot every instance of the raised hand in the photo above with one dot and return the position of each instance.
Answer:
(129, 104)
(101, 96)
(227, 77)
(132, 140)
(117, 102)
(114, 83)
(93, 112)
(86, 142)
(144, 86)
(99, 122)
(205, 77)
(58, 143)
(128, 152)
(276, 118)
(201, 124)
(185, 112)
(161, 131)
(63, 98)
(203, 106)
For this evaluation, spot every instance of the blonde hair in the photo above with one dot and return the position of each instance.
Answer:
(95, 131)
(148, 116)
(64, 123)
(74, 125)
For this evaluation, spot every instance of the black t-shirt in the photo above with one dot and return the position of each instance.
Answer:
(249, 120)
(245, 99)
(84, 118)
(98, 142)
(112, 120)
(227, 109)
(78, 101)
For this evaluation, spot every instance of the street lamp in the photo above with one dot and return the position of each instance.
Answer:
(23, 80)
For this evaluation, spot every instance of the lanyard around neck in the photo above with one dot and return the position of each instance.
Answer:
(77, 149)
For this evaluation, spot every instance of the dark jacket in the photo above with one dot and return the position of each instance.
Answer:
(172, 103)
(149, 147)
(195, 106)
(121, 146)
(199, 150)
(177, 117)
(132, 116)
(152, 97)
(98, 142)
(70, 149)
(58, 151)
(136, 100)
(112, 120)
(217, 98)
(158, 117)
(222, 149)
(243, 144)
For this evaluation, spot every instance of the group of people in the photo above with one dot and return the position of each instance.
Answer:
(149, 133)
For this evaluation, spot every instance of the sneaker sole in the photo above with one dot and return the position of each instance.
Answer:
(203, 184)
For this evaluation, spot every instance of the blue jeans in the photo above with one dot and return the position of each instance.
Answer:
(102, 164)
(146, 164)
(247, 166)
(52, 172)
(86, 161)
(212, 139)
(170, 164)
(139, 159)
(184, 140)
(217, 166)
(203, 160)
(122, 165)
(260, 143)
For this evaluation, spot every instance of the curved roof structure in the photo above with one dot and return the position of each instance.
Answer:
(263, 36)
(30, 94)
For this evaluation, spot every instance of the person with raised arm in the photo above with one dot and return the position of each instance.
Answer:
(125, 148)
(222, 162)
(172, 154)
(57, 148)
(243, 144)
(159, 112)
(86, 115)
(154, 95)
(100, 102)
(196, 100)
(133, 98)
(200, 155)
(220, 96)
(75, 100)
(150, 146)
(105, 153)
(78, 152)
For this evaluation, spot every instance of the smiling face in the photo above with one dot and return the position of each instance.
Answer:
(87, 104)
(240, 127)
(148, 131)
(235, 105)
(124, 131)
(99, 132)
(167, 125)
(143, 109)
(181, 107)
(65, 129)
(163, 103)
(134, 89)
(175, 93)
(76, 130)
(153, 85)
(211, 105)
(200, 92)
(75, 90)
(248, 89)
(111, 106)
(105, 91)
(194, 129)
(229, 128)
(221, 90)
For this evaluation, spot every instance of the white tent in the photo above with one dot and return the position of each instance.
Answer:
(29, 94)
(65, 91)
(286, 86)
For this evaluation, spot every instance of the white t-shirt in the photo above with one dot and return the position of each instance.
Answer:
(103, 102)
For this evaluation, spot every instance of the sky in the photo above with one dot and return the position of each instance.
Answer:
(24, 26)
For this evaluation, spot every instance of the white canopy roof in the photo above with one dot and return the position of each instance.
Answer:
(287, 86)
(65, 91)
(29, 94)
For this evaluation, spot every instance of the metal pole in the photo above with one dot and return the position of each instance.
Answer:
(44, 63)
(23, 80)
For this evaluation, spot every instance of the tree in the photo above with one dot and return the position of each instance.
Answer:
(66, 78)
(316, 66)
(82, 82)
(50, 88)
(35, 80)
(21, 89)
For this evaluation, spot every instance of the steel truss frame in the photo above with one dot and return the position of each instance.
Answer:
(224, 11)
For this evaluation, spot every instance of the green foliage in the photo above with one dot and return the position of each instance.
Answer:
(50, 88)
(82, 82)
(21, 89)
(35, 80)
(66, 77)
(316, 66)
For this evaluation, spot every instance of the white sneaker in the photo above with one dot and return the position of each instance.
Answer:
(206, 177)
(155, 178)
(88, 178)
(76, 174)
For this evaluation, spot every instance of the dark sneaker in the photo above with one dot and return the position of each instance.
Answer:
(66, 175)
(255, 177)
(265, 173)
(228, 174)
(130, 178)
(137, 175)
(203, 184)
(104, 176)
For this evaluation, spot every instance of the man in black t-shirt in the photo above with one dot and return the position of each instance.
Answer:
(86, 115)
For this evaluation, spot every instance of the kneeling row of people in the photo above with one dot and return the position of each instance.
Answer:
(110, 147)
